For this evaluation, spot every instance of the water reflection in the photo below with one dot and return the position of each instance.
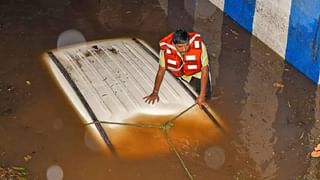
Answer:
(208, 22)
(93, 141)
(245, 79)
(164, 6)
(130, 18)
(69, 37)
(259, 111)
(54, 172)
(58, 124)
(313, 170)
(295, 118)
(214, 157)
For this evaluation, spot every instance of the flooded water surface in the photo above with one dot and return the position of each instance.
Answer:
(269, 112)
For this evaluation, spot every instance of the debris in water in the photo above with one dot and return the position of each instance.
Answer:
(28, 83)
(10, 88)
(302, 135)
(278, 85)
(27, 158)
(13, 173)
(234, 32)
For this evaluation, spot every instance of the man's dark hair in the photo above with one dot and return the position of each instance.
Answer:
(180, 37)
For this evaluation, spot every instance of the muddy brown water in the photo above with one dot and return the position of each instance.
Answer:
(270, 110)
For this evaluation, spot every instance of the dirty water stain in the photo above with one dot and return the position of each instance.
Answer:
(193, 128)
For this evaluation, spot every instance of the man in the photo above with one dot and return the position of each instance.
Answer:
(185, 55)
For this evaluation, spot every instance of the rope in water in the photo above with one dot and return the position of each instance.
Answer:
(165, 127)
(145, 125)
(176, 117)
(170, 142)
(128, 124)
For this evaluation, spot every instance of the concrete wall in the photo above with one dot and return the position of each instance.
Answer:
(290, 27)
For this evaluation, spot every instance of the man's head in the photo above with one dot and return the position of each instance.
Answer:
(181, 40)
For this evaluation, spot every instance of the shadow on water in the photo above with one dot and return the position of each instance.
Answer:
(299, 114)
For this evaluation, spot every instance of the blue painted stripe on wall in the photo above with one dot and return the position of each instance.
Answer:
(241, 11)
(303, 45)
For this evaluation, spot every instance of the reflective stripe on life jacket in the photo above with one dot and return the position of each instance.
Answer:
(190, 63)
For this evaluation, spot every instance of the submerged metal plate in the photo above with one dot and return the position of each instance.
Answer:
(113, 76)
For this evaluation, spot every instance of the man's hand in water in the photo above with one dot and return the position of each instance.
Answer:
(201, 101)
(152, 98)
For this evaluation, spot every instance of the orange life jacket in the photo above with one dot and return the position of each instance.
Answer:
(191, 61)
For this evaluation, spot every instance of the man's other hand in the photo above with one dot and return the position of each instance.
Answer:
(201, 101)
(152, 98)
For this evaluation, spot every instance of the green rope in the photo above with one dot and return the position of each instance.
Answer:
(165, 129)
(127, 124)
(177, 154)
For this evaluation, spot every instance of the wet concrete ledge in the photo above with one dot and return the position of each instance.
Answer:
(290, 28)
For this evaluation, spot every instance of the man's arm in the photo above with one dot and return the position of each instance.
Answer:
(201, 100)
(157, 83)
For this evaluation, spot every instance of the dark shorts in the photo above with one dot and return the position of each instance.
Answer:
(196, 84)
